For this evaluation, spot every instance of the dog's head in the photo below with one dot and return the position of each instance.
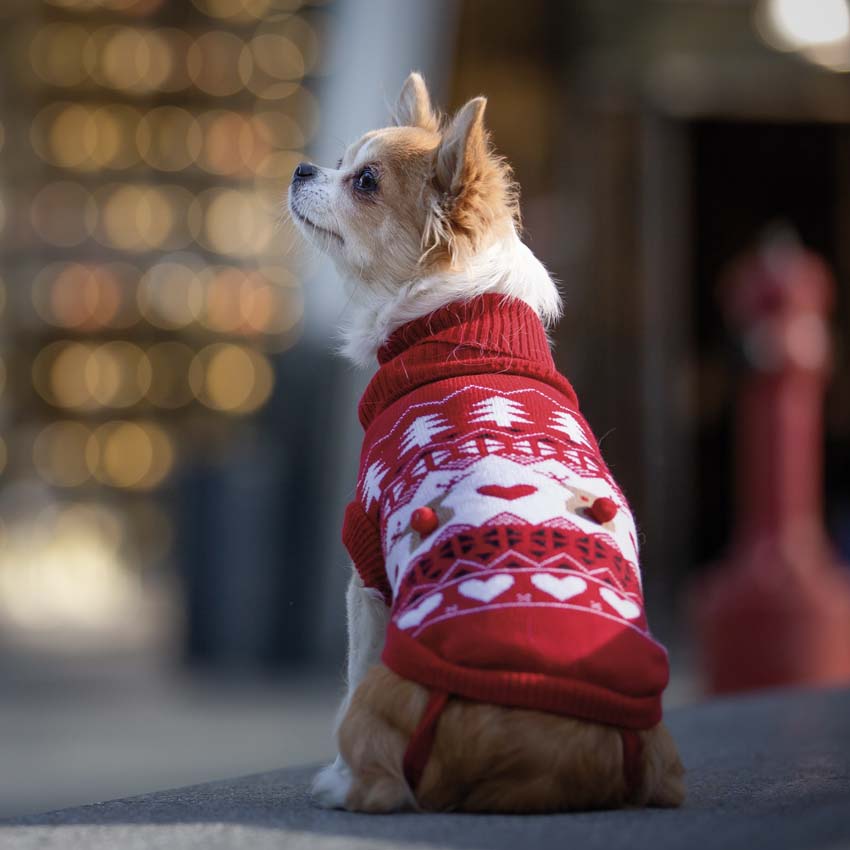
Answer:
(409, 200)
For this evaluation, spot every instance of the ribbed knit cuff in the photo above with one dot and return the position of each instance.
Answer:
(489, 334)
(491, 322)
(363, 542)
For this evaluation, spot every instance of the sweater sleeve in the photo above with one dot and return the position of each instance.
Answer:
(362, 539)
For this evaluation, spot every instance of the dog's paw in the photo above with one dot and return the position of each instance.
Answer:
(331, 785)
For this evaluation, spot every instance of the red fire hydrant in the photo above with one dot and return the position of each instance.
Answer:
(776, 611)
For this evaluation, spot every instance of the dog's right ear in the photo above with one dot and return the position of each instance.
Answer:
(414, 105)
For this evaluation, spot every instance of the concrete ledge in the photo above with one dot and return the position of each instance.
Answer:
(765, 771)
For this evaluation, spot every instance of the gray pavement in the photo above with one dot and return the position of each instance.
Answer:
(74, 732)
(771, 770)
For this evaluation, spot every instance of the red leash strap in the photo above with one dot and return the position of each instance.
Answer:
(422, 740)
(632, 767)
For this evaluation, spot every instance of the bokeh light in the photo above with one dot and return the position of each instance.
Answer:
(169, 138)
(229, 142)
(231, 378)
(273, 58)
(136, 217)
(86, 296)
(817, 31)
(62, 568)
(129, 454)
(59, 374)
(793, 24)
(117, 374)
(234, 222)
(86, 138)
(217, 63)
(247, 302)
(129, 58)
(170, 293)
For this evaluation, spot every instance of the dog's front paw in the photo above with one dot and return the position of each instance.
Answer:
(331, 785)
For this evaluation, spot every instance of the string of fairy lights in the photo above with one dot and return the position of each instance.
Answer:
(146, 281)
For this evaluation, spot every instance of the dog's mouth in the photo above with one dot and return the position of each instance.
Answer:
(315, 228)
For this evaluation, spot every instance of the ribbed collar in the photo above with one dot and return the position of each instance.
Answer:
(487, 334)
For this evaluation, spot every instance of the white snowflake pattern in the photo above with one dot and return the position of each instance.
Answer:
(421, 431)
(503, 411)
(371, 485)
(566, 422)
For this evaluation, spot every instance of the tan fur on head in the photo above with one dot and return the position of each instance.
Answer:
(442, 194)
(488, 758)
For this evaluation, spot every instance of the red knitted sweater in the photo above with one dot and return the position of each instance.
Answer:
(518, 584)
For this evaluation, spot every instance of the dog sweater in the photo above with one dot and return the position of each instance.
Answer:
(486, 518)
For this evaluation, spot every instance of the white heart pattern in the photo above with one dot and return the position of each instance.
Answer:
(562, 588)
(624, 607)
(485, 591)
(414, 616)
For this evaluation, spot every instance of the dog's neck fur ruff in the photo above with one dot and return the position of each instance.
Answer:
(505, 267)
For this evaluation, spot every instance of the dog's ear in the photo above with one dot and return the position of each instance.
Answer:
(414, 105)
(463, 152)
(472, 187)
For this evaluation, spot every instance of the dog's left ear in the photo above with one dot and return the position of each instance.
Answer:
(472, 190)
(463, 152)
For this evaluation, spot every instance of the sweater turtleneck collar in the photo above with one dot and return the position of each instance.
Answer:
(487, 334)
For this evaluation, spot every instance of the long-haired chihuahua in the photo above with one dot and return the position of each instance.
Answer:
(499, 654)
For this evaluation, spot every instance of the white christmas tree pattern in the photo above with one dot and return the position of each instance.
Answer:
(563, 421)
(422, 430)
(372, 482)
(503, 411)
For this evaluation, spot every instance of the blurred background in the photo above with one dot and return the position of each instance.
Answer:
(178, 439)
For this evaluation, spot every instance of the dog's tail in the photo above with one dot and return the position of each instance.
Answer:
(408, 748)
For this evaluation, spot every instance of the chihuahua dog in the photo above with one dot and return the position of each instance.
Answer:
(499, 655)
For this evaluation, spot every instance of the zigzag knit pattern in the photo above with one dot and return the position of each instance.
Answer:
(477, 517)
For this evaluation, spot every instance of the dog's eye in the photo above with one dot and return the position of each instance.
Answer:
(366, 180)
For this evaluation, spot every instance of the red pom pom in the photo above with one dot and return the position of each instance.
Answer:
(424, 520)
(603, 509)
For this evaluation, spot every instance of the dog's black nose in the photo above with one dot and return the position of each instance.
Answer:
(304, 171)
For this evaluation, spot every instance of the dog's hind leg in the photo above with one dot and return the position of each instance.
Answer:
(373, 737)
(367, 624)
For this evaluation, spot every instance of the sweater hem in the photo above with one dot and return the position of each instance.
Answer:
(536, 691)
